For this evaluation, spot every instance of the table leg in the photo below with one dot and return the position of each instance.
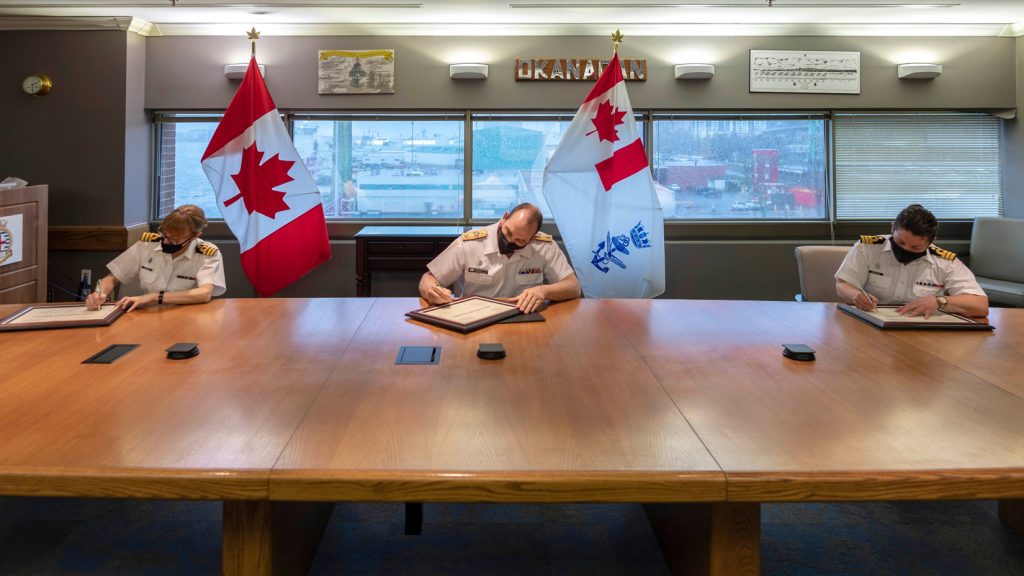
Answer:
(718, 539)
(413, 518)
(1012, 512)
(271, 538)
(362, 272)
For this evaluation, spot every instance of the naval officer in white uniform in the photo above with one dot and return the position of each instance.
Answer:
(510, 259)
(172, 267)
(905, 268)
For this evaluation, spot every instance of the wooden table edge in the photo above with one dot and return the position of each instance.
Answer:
(945, 484)
(98, 482)
(504, 486)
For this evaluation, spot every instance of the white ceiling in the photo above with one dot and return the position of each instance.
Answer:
(527, 17)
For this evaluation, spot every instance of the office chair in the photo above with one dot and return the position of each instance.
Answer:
(997, 259)
(817, 266)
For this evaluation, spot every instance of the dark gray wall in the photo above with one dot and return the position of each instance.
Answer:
(73, 138)
(977, 72)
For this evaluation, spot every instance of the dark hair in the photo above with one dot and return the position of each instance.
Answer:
(917, 220)
(533, 215)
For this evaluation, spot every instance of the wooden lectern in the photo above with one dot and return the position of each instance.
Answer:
(23, 218)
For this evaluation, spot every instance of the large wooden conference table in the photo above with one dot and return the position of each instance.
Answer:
(687, 406)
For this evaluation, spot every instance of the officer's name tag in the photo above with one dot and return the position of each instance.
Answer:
(477, 270)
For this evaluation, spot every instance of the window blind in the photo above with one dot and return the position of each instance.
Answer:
(948, 162)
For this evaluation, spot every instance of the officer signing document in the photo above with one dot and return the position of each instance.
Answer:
(510, 259)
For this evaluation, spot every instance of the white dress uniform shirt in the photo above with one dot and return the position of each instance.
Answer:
(870, 264)
(473, 259)
(157, 271)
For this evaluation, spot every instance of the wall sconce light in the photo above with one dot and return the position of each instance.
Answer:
(918, 71)
(694, 71)
(237, 71)
(467, 71)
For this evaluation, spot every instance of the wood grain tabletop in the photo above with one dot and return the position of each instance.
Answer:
(572, 413)
(873, 417)
(209, 426)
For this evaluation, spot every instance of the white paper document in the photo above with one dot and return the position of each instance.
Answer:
(468, 311)
(63, 314)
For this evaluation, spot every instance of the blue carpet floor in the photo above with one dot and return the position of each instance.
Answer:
(56, 536)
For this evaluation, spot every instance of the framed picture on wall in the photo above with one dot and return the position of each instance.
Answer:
(805, 72)
(355, 72)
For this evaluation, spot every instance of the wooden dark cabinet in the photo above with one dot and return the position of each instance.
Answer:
(398, 249)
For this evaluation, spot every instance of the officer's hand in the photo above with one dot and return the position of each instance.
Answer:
(130, 303)
(530, 300)
(865, 302)
(438, 295)
(94, 300)
(923, 306)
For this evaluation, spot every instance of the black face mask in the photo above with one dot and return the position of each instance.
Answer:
(173, 248)
(506, 246)
(902, 255)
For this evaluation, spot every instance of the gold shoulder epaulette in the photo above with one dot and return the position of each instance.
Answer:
(206, 249)
(474, 234)
(543, 237)
(149, 237)
(944, 254)
(871, 239)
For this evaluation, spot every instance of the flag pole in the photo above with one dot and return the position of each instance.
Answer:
(253, 36)
(616, 40)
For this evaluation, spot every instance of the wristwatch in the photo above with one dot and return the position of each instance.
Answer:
(943, 301)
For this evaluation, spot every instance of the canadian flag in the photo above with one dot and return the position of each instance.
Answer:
(264, 191)
(600, 189)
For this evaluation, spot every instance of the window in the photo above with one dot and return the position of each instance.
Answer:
(763, 167)
(741, 167)
(949, 162)
(179, 175)
(388, 167)
(509, 155)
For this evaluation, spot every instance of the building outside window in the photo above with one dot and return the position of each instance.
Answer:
(742, 168)
(391, 168)
(509, 155)
(180, 178)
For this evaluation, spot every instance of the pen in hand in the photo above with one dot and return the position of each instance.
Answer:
(93, 301)
(448, 295)
(868, 296)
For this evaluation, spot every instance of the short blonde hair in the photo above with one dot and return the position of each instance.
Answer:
(186, 216)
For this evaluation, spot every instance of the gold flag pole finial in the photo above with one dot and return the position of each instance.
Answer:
(253, 36)
(616, 40)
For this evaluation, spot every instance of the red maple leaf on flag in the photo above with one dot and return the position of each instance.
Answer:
(606, 120)
(256, 182)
